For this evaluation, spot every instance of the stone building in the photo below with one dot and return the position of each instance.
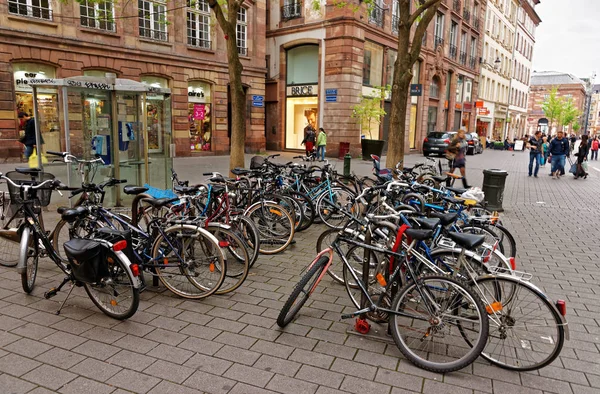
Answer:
(321, 62)
(594, 118)
(181, 48)
(542, 83)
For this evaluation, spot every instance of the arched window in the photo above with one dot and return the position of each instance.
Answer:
(434, 88)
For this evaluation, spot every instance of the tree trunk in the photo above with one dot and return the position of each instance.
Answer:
(238, 105)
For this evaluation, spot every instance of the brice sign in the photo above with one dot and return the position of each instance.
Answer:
(304, 90)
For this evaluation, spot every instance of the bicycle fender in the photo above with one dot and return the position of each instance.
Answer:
(23, 249)
(258, 203)
(125, 260)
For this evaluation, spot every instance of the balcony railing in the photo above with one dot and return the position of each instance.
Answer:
(291, 11)
(154, 34)
(438, 41)
(395, 21)
(456, 6)
(198, 43)
(376, 15)
(467, 16)
(476, 23)
(453, 51)
(472, 62)
(243, 51)
(463, 58)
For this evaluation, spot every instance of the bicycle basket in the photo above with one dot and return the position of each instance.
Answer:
(257, 162)
(41, 196)
(87, 259)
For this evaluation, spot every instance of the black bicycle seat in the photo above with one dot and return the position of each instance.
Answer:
(133, 190)
(446, 218)
(28, 171)
(467, 241)
(439, 178)
(419, 235)
(160, 202)
(240, 171)
(186, 189)
(428, 223)
(61, 210)
(70, 215)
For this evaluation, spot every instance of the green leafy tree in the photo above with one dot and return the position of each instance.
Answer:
(569, 114)
(553, 107)
(369, 112)
(576, 127)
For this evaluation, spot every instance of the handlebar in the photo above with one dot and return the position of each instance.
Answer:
(69, 158)
(273, 156)
(53, 183)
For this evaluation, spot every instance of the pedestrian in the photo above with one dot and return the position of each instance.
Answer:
(559, 149)
(28, 138)
(594, 148)
(573, 141)
(456, 155)
(535, 152)
(545, 151)
(582, 154)
(321, 144)
(309, 140)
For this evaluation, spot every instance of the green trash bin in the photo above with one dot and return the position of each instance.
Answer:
(493, 187)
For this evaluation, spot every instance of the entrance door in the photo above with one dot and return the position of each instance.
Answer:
(158, 123)
(431, 118)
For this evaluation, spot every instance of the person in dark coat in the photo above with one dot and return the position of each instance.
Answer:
(582, 155)
(29, 138)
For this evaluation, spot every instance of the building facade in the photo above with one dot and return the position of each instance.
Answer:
(527, 21)
(321, 62)
(497, 65)
(542, 83)
(180, 48)
(594, 117)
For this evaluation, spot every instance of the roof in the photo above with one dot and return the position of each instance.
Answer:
(554, 78)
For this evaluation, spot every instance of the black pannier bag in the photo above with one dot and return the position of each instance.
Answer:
(257, 162)
(87, 259)
(113, 236)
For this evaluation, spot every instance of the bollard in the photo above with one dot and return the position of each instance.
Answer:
(347, 161)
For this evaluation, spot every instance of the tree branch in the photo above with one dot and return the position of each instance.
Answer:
(223, 22)
(420, 32)
(424, 7)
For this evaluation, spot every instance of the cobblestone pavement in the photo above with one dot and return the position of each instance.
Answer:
(231, 344)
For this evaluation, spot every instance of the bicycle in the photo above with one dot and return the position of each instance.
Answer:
(99, 264)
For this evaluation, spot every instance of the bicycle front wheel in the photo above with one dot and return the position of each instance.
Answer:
(430, 318)
(302, 291)
(28, 257)
(115, 295)
(526, 330)
(237, 261)
(275, 226)
(330, 207)
(9, 250)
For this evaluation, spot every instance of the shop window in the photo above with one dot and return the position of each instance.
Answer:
(468, 90)
(97, 15)
(200, 116)
(152, 18)
(198, 24)
(41, 9)
(97, 73)
(303, 65)
(459, 88)
(242, 31)
(156, 114)
(372, 64)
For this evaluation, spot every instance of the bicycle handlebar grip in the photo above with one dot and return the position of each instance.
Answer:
(297, 157)
(61, 154)
(122, 180)
(207, 174)
(272, 156)
(76, 192)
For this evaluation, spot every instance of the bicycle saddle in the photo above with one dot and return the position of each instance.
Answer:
(28, 171)
(427, 223)
(467, 241)
(70, 215)
(160, 202)
(419, 235)
(186, 189)
(240, 171)
(457, 190)
(446, 218)
(131, 189)
(439, 178)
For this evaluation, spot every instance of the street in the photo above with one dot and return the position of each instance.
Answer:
(231, 344)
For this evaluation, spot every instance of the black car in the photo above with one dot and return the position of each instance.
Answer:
(437, 142)
(474, 145)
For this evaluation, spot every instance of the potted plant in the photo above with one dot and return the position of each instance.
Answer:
(369, 112)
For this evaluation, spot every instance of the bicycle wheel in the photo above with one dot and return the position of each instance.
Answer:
(247, 230)
(28, 258)
(9, 250)
(302, 291)
(507, 240)
(237, 262)
(330, 207)
(324, 241)
(432, 340)
(191, 262)
(355, 257)
(115, 295)
(527, 332)
(275, 226)
(447, 259)
(307, 207)
(81, 228)
(290, 204)
(414, 200)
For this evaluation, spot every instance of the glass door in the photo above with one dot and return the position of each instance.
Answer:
(158, 126)
(130, 147)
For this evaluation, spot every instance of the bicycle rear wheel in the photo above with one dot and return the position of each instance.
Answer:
(115, 295)
(330, 207)
(247, 230)
(237, 262)
(9, 250)
(433, 340)
(302, 292)
(275, 226)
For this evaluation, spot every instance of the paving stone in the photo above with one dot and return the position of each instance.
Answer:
(72, 326)
(133, 328)
(43, 318)
(312, 358)
(377, 360)
(249, 375)
(209, 383)
(238, 355)
(225, 313)
(136, 344)
(352, 368)
(12, 385)
(102, 334)
(503, 387)
(95, 369)
(546, 384)
(194, 317)
(236, 340)
(322, 377)
(397, 379)
(277, 365)
(171, 353)
(168, 371)
(296, 341)
(64, 340)
(131, 360)
(164, 336)
(242, 388)
(201, 346)
(208, 364)
(133, 381)
(33, 331)
(287, 385)
(359, 386)
(83, 386)
(201, 331)
(432, 386)
(60, 358)
(227, 325)
(8, 323)
(16, 365)
(165, 387)
(7, 338)
(49, 376)
(95, 349)
(274, 349)
(260, 332)
(335, 350)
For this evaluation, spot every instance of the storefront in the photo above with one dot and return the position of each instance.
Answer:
(47, 100)
(500, 115)
(485, 116)
(301, 101)
(200, 116)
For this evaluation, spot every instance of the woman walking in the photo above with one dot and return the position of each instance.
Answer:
(321, 144)
(545, 151)
(456, 155)
(594, 148)
(581, 157)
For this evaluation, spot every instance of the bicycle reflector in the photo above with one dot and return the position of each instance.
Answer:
(122, 244)
(562, 307)
(223, 244)
(135, 270)
(513, 263)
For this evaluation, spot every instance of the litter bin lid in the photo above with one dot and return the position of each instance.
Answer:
(495, 171)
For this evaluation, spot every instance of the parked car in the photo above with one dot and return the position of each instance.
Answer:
(474, 144)
(437, 142)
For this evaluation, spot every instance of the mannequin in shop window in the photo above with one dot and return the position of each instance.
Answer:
(28, 139)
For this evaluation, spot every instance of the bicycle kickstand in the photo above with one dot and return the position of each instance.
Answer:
(52, 292)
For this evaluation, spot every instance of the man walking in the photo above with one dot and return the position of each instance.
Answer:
(535, 152)
(559, 149)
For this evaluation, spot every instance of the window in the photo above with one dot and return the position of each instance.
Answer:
(459, 88)
(395, 16)
(439, 30)
(463, 48)
(153, 19)
(198, 24)
(303, 65)
(97, 15)
(452, 50)
(34, 8)
(372, 64)
(392, 56)
(473, 52)
(242, 31)
(434, 88)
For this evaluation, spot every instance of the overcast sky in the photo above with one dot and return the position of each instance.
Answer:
(568, 39)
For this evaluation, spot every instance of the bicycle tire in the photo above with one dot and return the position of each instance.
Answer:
(510, 246)
(291, 307)
(450, 256)
(249, 233)
(237, 261)
(324, 241)
(9, 250)
(307, 207)
(414, 200)
(28, 257)
(182, 278)
(549, 333)
(356, 254)
(460, 294)
(343, 199)
(278, 236)
(120, 284)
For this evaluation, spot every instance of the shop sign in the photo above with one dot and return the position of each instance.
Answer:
(23, 81)
(331, 99)
(305, 90)
(199, 111)
(258, 101)
(479, 104)
(483, 111)
(331, 92)
(416, 89)
(468, 107)
(331, 95)
(458, 106)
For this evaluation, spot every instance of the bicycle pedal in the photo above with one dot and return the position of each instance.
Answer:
(348, 316)
(50, 293)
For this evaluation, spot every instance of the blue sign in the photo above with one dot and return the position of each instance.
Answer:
(331, 99)
(416, 89)
(258, 103)
(331, 92)
(258, 98)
